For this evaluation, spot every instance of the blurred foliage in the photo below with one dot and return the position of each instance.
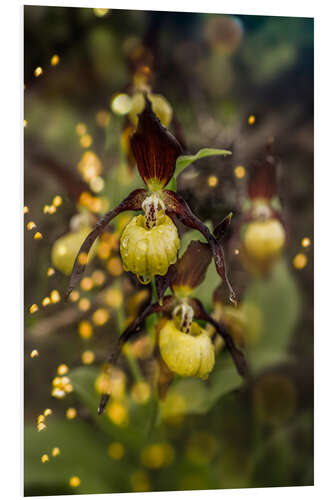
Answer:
(215, 71)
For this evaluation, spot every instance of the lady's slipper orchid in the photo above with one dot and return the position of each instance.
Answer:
(155, 150)
(264, 233)
(184, 346)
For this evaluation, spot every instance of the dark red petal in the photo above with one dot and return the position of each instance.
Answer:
(221, 229)
(178, 206)
(131, 330)
(154, 148)
(263, 177)
(132, 202)
(192, 267)
(237, 355)
(163, 282)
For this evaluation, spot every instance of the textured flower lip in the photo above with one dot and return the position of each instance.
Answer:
(155, 149)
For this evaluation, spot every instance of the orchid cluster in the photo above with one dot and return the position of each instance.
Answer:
(149, 248)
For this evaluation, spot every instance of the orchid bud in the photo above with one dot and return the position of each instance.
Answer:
(264, 240)
(187, 354)
(149, 244)
(65, 249)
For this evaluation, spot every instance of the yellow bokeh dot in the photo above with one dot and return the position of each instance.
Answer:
(140, 392)
(71, 413)
(86, 283)
(100, 12)
(45, 458)
(55, 60)
(251, 120)
(41, 426)
(74, 296)
(103, 118)
(38, 71)
(46, 301)
(103, 250)
(25, 123)
(82, 258)
(100, 317)
(121, 104)
(84, 304)
(140, 481)
(87, 357)
(157, 455)
(74, 481)
(86, 140)
(113, 298)
(26, 209)
(38, 236)
(98, 277)
(80, 129)
(97, 184)
(62, 369)
(116, 450)
(55, 451)
(34, 354)
(117, 413)
(33, 308)
(212, 181)
(306, 242)
(55, 296)
(85, 329)
(47, 412)
(57, 201)
(114, 266)
(31, 225)
(300, 261)
(50, 271)
(239, 171)
(236, 251)
(40, 418)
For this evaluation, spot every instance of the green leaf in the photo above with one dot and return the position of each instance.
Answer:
(277, 300)
(83, 453)
(185, 160)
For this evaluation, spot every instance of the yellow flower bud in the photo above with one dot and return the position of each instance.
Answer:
(65, 249)
(146, 252)
(264, 240)
(188, 355)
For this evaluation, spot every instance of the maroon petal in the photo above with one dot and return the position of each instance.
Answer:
(263, 177)
(155, 149)
(178, 206)
(221, 229)
(191, 268)
(163, 282)
(132, 202)
(236, 354)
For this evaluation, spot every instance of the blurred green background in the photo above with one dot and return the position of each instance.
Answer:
(82, 67)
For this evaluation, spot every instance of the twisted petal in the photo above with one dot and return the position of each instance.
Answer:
(132, 202)
(155, 149)
(131, 330)
(191, 268)
(237, 355)
(175, 204)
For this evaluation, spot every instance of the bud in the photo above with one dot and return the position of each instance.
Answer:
(188, 355)
(264, 240)
(65, 249)
(149, 251)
